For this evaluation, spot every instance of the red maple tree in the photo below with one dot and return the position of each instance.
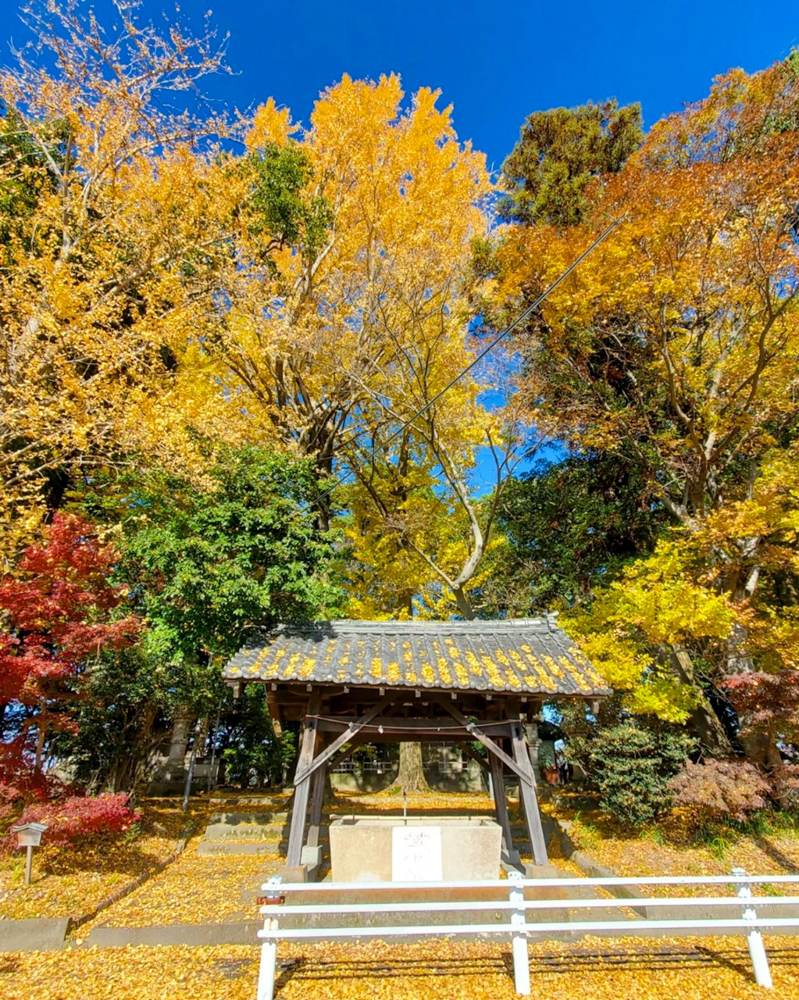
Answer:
(58, 617)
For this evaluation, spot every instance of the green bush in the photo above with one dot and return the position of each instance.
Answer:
(631, 765)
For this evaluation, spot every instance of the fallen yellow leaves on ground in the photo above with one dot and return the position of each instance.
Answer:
(195, 890)
(434, 970)
(669, 849)
(71, 881)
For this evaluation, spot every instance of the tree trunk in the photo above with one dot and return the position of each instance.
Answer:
(702, 720)
(40, 738)
(759, 745)
(464, 604)
(411, 770)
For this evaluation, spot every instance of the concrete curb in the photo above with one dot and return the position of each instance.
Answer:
(170, 935)
(43, 934)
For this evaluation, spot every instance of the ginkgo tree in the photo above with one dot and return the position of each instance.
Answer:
(167, 291)
(345, 316)
(351, 328)
(109, 234)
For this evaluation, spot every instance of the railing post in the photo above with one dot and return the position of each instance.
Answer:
(266, 972)
(521, 955)
(757, 950)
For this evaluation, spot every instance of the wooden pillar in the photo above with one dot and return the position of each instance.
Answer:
(317, 801)
(528, 796)
(531, 732)
(302, 787)
(501, 806)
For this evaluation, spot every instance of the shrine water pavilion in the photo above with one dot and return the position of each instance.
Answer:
(353, 682)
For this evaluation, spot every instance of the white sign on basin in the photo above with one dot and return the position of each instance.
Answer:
(416, 854)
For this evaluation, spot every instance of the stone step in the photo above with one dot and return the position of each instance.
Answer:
(207, 848)
(37, 934)
(252, 818)
(245, 800)
(246, 831)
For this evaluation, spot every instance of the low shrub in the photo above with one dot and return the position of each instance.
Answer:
(719, 789)
(82, 816)
(631, 766)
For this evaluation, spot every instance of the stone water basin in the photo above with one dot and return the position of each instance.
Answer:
(363, 848)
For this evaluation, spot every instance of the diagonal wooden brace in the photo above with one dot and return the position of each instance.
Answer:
(521, 773)
(527, 794)
(355, 727)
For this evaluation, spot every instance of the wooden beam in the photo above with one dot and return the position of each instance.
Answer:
(348, 750)
(525, 776)
(439, 727)
(527, 794)
(306, 768)
(301, 783)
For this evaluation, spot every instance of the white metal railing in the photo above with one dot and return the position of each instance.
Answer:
(517, 927)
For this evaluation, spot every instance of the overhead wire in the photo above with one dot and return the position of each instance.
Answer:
(486, 350)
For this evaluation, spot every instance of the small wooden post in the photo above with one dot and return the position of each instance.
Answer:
(29, 835)
(301, 788)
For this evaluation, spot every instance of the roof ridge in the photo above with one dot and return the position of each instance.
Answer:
(364, 624)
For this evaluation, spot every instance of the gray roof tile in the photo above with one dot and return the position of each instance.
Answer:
(522, 655)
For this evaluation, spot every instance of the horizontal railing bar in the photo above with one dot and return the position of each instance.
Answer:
(543, 883)
(276, 909)
(598, 928)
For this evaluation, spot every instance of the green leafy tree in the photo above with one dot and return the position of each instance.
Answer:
(128, 697)
(205, 569)
(559, 152)
(628, 760)
(252, 751)
(210, 568)
(570, 526)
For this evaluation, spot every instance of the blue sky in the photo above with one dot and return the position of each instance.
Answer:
(495, 64)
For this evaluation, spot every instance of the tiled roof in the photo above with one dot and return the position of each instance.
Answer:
(519, 656)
